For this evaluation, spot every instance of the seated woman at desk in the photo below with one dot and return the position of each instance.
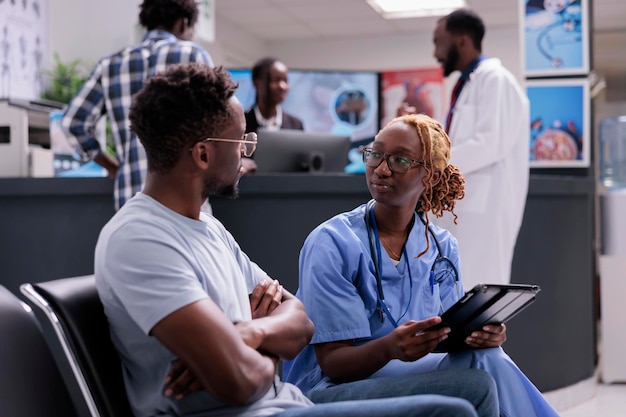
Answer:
(366, 281)
(269, 77)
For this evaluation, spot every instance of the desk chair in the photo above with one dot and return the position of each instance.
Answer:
(30, 382)
(77, 330)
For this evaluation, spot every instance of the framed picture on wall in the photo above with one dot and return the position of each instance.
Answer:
(421, 88)
(555, 37)
(559, 123)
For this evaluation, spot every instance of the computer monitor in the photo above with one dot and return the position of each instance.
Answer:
(300, 151)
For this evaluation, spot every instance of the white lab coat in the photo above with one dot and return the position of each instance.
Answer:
(489, 135)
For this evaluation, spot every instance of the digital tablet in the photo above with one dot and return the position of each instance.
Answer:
(483, 304)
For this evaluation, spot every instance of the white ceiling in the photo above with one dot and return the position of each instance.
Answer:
(286, 20)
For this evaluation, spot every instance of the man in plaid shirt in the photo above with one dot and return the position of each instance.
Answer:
(117, 77)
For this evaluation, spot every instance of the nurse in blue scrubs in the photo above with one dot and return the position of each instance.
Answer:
(374, 278)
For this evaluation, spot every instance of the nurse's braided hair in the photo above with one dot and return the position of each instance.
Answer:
(435, 143)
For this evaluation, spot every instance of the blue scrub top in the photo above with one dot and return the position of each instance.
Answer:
(338, 287)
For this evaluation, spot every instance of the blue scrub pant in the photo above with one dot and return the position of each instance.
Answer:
(413, 406)
(518, 397)
(476, 387)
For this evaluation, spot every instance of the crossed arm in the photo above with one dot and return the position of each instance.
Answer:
(235, 363)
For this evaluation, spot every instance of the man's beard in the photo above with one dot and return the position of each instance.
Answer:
(449, 65)
(232, 191)
(229, 191)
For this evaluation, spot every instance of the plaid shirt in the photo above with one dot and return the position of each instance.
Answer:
(109, 90)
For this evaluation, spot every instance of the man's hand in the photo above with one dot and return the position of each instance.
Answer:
(180, 382)
(266, 296)
(105, 160)
(490, 336)
(205, 340)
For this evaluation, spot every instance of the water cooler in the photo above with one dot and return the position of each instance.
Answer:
(612, 170)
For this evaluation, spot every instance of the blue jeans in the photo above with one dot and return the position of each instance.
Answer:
(413, 406)
(472, 385)
(517, 395)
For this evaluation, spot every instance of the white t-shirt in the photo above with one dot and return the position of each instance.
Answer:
(149, 262)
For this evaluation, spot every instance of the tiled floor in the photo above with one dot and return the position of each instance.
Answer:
(608, 401)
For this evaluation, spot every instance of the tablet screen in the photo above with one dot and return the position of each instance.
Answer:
(483, 304)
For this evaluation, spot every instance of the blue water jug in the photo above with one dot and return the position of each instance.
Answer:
(613, 152)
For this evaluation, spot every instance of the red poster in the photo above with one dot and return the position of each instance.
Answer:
(421, 88)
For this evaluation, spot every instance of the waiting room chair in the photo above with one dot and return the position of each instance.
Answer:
(30, 382)
(77, 330)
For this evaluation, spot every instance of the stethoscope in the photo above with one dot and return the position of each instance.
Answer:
(545, 34)
(441, 269)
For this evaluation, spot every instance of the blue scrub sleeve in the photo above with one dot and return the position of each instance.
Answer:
(326, 288)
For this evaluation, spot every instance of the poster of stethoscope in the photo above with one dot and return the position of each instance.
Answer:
(23, 47)
(559, 123)
(555, 35)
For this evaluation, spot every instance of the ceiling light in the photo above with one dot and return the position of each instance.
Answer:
(395, 9)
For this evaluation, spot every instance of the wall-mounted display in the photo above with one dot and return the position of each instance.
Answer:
(555, 37)
(421, 88)
(559, 123)
(344, 103)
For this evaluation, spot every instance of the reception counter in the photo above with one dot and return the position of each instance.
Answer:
(49, 227)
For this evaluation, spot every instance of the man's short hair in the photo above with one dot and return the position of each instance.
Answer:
(262, 67)
(466, 22)
(177, 108)
(165, 13)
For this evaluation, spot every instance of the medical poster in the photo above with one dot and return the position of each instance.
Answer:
(23, 47)
(421, 88)
(555, 37)
(559, 123)
(338, 102)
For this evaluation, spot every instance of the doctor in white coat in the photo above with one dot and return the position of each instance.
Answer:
(488, 125)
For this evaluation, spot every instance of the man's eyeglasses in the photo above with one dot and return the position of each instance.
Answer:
(396, 163)
(248, 143)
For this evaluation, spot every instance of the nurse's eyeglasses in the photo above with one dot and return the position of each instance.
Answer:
(396, 163)
(248, 143)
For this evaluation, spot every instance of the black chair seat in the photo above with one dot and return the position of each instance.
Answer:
(30, 382)
(83, 342)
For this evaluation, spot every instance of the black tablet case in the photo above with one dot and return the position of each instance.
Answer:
(483, 304)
